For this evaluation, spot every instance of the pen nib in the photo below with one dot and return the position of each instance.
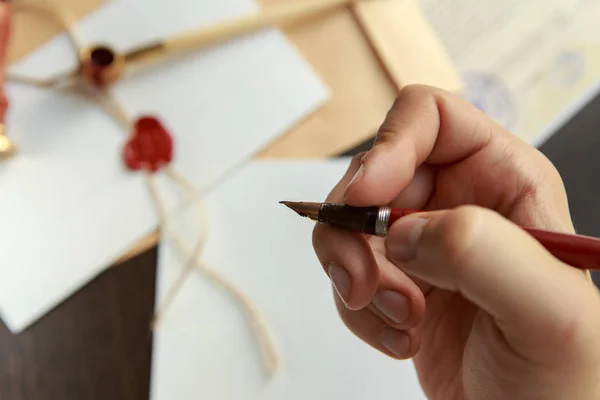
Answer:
(304, 209)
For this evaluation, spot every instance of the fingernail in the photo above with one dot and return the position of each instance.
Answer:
(341, 281)
(403, 238)
(395, 342)
(358, 175)
(393, 305)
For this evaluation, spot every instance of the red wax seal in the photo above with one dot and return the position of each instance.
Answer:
(150, 146)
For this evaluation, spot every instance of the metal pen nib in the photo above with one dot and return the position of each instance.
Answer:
(304, 209)
(367, 220)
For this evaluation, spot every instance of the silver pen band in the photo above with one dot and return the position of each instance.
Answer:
(382, 222)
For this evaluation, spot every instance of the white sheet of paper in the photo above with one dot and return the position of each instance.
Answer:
(68, 208)
(204, 348)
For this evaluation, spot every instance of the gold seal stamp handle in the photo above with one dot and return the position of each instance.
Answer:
(7, 149)
(223, 31)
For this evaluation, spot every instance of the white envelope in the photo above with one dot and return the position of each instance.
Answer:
(68, 207)
(203, 346)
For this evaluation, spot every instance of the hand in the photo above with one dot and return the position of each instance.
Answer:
(486, 312)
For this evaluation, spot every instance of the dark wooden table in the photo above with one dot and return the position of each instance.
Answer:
(97, 345)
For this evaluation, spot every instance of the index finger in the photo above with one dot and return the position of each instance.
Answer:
(346, 256)
(425, 124)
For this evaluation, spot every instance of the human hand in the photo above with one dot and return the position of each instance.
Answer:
(484, 309)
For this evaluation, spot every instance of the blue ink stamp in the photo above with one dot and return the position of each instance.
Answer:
(490, 94)
(566, 69)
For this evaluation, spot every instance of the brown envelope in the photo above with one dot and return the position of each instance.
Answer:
(32, 29)
(363, 83)
(362, 89)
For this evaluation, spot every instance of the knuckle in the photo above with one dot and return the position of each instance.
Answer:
(347, 316)
(337, 192)
(357, 159)
(356, 323)
(580, 327)
(459, 233)
(317, 237)
(393, 324)
(319, 244)
(411, 94)
(385, 134)
(417, 92)
(416, 89)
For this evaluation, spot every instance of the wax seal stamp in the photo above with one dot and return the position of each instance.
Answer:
(101, 65)
(150, 146)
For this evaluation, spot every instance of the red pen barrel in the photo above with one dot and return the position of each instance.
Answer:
(579, 251)
(397, 213)
(576, 250)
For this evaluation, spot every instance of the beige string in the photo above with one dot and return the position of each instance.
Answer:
(262, 332)
(263, 335)
(49, 83)
(254, 316)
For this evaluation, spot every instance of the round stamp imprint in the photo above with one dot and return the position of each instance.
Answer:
(567, 68)
(490, 94)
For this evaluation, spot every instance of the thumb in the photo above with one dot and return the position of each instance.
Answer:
(500, 268)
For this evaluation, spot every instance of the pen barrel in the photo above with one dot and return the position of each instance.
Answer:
(367, 220)
(582, 252)
(356, 219)
(397, 213)
(579, 251)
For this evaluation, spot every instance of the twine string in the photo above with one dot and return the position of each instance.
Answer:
(263, 334)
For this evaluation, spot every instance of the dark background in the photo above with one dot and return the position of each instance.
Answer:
(97, 345)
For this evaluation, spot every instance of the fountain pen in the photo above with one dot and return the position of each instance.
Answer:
(579, 251)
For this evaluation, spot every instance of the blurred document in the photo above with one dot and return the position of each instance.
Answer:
(528, 64)
(204, 347)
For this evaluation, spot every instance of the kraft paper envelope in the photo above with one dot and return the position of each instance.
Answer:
(31, 29)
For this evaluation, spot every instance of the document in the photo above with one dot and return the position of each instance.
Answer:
(530, 65)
